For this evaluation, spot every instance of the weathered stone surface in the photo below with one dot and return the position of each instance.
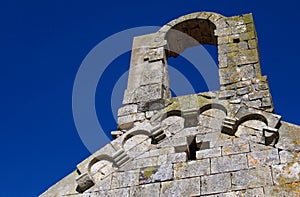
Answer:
(147, 162)
(292, 189)
(123, 192)
(263, 158)
(145, 190)
(157, 152)
(183, 187)
(128, 109)
(257, 192)
(172, 158)
(124, 179)
(289, 157)
(289, 137)
(251, 178)
(103, 184)
(286, 173)
(229, 163)
(209, 153)
(156, 174)
(139, 148)
(214, 139)
(215, 183)
(191, 169)
(238, 146)
(218, 143)
(172, 125)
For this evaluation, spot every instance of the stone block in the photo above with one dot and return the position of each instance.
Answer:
(286, 173)
(215, 139)
(103, 184)
(215, 183)
(139, 148)
(134, 141)
(289, 137)
(257, 192)
(229, 163)
(123, 192)
(248, 57)
(252, 44)
(156, 174)
(84, 182)
(259, 95)
(208, 153)
(192, 169)
(266, 102)
(238, 146)
(153, 73)
(128, 109)
(124, 179)
(244, 90)
(226, 94)
(243, 45)
(288, 190)
(147, 162)
(246, 72)
(183, 187)
(251, 178)
(145, 190)
(263, 158)
(223, 32)
(172, 158)
(210, 122)
(149, 93)
(126, 122)
(157, 152)
(191, 131)
(239, 29)
(172, 125)
(288, 156)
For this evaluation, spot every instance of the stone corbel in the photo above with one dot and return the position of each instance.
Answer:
(84, 182)
(271, 135)
(229, 125)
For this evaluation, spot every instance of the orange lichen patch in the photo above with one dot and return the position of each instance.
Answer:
(252, 160)
(226, 151)
(297, 142)
(293, 187)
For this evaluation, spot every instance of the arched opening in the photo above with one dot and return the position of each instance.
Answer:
(101, 169)
(135, 140)
(192, 53)
(172, 125)
(212, 117)
(251, 130)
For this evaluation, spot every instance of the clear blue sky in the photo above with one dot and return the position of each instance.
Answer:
(43, 44)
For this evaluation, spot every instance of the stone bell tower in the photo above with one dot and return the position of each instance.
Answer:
(218, 143)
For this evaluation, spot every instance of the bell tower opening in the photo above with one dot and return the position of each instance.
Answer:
(191, 52)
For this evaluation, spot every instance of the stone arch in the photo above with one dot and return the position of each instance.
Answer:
(130, 134)
(101, 166)
(253, 116)
(172, 122)
(191, 30)
(213, 106)
(212, 115)
(173, 113)
(99, 158)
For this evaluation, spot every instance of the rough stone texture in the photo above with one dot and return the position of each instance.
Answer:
(229, 163)
(220, 143)
(215, 183)
(191, 169)
(251, 178)
(183, 187)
